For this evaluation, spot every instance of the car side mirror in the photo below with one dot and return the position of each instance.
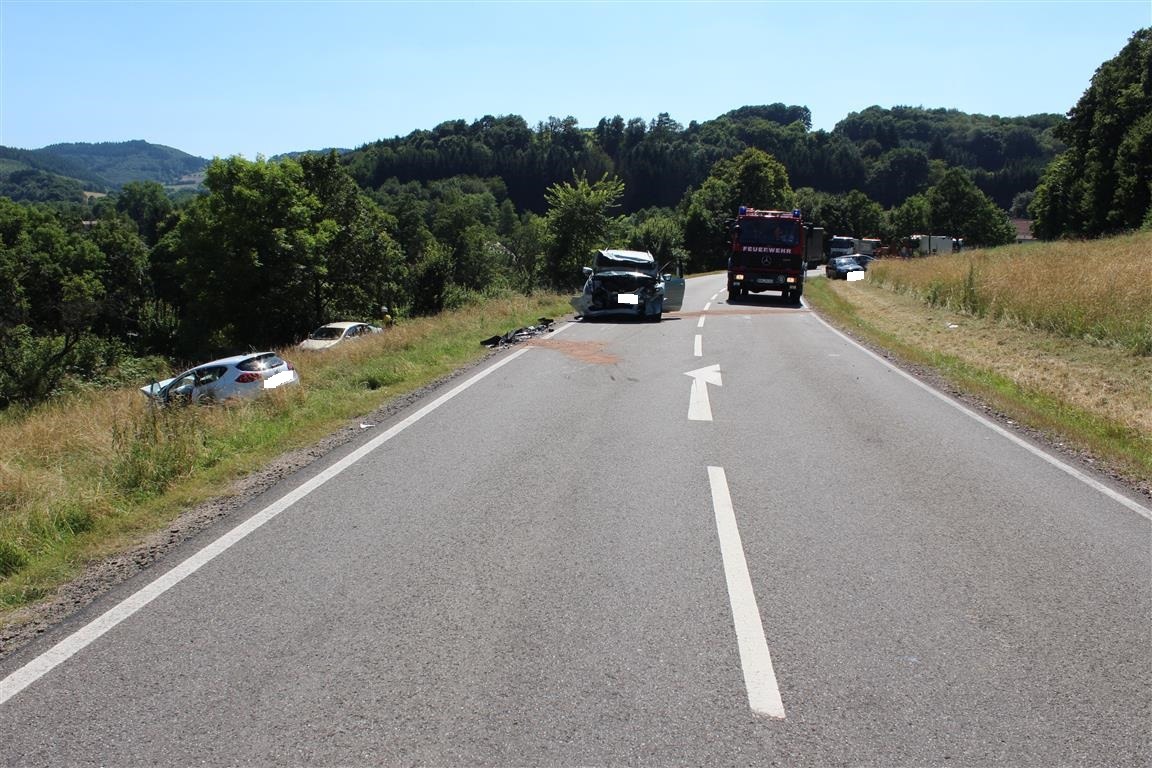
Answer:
(587, 271)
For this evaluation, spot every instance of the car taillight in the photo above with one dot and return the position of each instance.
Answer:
(247, 378)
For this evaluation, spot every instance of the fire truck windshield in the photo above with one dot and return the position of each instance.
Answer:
(760, 231)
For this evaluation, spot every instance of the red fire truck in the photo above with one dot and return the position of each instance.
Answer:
(768, 253)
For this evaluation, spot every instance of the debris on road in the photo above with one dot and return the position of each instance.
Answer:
(543, 325)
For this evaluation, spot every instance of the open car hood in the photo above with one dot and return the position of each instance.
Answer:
(624, 273)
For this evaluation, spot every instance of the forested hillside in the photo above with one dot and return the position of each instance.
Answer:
(121, 162)
(888, 154)
(1103, 183)
(54, 173)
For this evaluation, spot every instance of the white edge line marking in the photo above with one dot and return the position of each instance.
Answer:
(1120, 498)
(698, 347)
(755, 659)
(86, 635)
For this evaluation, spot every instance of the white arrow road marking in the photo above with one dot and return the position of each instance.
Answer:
(699, 409)
(759, 674)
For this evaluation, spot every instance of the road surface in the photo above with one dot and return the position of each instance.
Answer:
(731, 538)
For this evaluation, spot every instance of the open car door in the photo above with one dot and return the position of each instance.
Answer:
(673, 293)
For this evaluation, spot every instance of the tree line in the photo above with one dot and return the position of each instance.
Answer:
(272, 249)
(888, 154)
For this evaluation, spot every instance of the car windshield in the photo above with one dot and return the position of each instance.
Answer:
(612, 261)
(326, 333)
(757, 231)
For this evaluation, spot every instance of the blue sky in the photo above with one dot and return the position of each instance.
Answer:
(228, 77)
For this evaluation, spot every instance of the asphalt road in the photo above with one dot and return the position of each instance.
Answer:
(731, 538)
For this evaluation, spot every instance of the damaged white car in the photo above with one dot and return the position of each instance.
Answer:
(628, 284)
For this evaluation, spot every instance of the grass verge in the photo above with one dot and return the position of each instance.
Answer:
(89, 476)
(1087, 398)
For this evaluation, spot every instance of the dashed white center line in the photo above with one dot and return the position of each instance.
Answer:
(701, 323)
(706, 306)
(759, 674)
(698, 350)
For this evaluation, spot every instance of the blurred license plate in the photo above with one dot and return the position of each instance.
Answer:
(284, 377)
(627, 298)
(765, 279)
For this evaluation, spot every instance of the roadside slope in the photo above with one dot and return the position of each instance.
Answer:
(1091, 404)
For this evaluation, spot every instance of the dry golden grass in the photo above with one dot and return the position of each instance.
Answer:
(1058, 336)
(109, 466)
(1100, 292)
(1106, 381)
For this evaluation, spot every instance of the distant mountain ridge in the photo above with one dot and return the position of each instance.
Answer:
(105, 166)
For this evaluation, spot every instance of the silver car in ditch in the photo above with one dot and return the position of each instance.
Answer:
(628, 284)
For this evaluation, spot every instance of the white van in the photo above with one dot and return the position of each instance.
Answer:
(839, 245)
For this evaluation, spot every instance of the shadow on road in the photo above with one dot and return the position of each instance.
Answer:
(763, 300)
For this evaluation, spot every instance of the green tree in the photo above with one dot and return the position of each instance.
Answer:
(579, 221)
(363, 266)
(661, 235)
(249, 256)
(147, 204)
(52, 292)
(1020, 204)
(814, 206)
(898, 174)
(864, 217)
(913, 216)
(1103, 183)
(960, 209)
(123, 275)
(525, 251)
(430, 280)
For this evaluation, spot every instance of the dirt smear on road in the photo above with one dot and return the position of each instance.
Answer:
(584, 351)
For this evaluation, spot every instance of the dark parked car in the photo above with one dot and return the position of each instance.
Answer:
(841, 266)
